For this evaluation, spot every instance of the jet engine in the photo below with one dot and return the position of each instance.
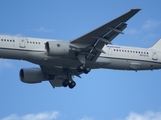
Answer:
(31, 75)
(57, 48)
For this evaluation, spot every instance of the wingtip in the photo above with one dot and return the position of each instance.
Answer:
(136, 9)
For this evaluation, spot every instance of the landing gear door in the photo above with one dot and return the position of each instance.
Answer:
(22, 42)
(154, 55)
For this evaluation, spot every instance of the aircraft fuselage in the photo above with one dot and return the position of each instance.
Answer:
(115, 57)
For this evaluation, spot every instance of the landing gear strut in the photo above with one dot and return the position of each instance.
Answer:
(83, 68)
(71, 84)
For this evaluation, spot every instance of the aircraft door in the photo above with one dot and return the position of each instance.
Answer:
(154, 55)
(22, 42)
(109, 51)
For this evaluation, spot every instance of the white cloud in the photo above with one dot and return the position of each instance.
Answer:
(132, 31)
(147, 26)
(5, 64)
(42, 29)
(151, 24)
(145, 116)
(39, 116)
(87, 118)
(18, 35)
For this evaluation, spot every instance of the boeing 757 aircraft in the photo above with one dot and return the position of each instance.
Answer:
(60, 60)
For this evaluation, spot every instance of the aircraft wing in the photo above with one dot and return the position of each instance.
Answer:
(91, 44)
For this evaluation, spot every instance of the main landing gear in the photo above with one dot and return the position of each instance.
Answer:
(71, 84)
(84, 69)
(68, 81)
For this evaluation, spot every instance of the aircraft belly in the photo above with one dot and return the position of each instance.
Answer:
(13, 54)
(102, 62)
(41, 58)
(56, 61)
(118, 64)
(133, 65)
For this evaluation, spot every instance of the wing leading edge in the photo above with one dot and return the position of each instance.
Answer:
(91, 44)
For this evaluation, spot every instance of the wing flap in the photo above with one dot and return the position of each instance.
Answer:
(57, 81)
(106, 39)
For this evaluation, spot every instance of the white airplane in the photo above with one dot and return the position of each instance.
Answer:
(61, 60)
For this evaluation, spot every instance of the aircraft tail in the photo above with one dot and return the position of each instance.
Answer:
(157, 45)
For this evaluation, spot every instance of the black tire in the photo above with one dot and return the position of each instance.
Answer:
(80, 68)
(86, 70)
(65, 83)
(72, 84)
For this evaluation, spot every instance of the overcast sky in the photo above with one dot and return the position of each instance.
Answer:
(102, 94)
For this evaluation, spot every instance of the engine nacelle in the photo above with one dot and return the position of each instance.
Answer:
(31, 75)
(57, 48)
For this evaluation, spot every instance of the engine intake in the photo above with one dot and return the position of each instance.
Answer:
(31, 75)
(57, 48)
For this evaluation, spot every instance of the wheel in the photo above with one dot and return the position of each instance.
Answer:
(65, 83)
(72, 84)
(86, 70)
(80, 68)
